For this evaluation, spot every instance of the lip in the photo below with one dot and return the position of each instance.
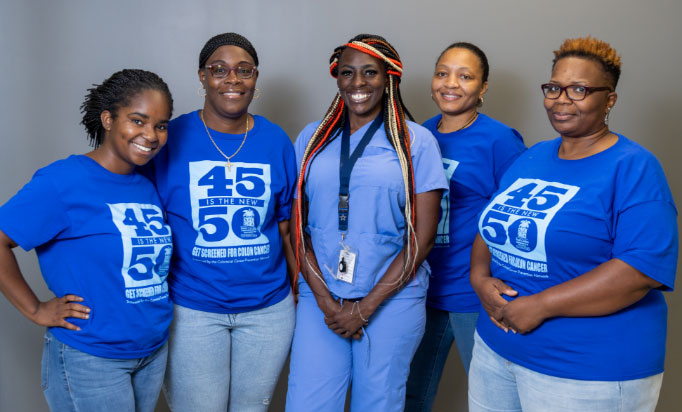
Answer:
(450, 97)
(562, 116)
(232, 94)
(359, 97)
(142, 148)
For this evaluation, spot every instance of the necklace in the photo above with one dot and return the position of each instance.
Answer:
(246, 132)
(468, 123)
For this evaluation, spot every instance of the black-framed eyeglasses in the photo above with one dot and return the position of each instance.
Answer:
(242, 70)
(574, 92)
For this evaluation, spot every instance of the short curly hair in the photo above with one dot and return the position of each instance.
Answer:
(593, 49)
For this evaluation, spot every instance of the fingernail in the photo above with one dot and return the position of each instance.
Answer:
(87, 317)
(78, 329)
(87, 310)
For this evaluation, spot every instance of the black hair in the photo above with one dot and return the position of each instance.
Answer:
(226, 39)
(475, 50)
(114, 93)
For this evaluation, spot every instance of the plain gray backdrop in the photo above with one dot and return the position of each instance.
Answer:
(52, 51)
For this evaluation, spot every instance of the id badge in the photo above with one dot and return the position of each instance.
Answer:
(346, 264)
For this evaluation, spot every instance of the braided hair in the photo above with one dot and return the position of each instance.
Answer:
(115, 92)
(394, 115)
(226, 39)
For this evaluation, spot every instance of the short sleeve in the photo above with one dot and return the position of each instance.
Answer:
(506, 150)
(35, 215)
(284, 198)
(646, 235)
(427, 162)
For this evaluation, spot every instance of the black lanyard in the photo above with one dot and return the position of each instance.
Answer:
(347, 163)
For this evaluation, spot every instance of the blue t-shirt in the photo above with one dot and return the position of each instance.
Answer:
(474, 159)
(228, 250)
(555, 219)
(101, 236)
(376, 224)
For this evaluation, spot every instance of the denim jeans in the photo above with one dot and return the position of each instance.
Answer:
(220, 362)
(496, 384)
(442, 328)
(77, 381)
(323, 363)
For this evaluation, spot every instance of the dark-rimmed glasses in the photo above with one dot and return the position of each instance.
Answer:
(574, 92)
(242, 71)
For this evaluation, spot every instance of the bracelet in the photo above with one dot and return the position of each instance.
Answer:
(357, 304)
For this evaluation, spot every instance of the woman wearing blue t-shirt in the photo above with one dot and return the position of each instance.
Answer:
(476, 151)
(104, 250)
(365, 218)
(572, 255)
(226, 178)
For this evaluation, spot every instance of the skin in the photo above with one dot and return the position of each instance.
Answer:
(361, 82)
(227, 100)
(134, 134)
(456, 87)
(609, 287)
(581, 123)
(143, 122)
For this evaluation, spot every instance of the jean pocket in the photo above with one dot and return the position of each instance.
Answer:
(45, 363)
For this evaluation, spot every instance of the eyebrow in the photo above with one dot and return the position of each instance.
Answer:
(139, 114)
(365, 66)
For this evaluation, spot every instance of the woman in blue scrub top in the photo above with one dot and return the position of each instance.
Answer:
(572, 256)
(476, 150)
(365, 217)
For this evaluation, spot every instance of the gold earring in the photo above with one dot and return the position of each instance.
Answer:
(257, 90)
(199, 91)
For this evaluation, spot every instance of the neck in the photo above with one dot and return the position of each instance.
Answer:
(107, 160)
(357, 121)
(223, 124)
(452, 123)
(573, 148)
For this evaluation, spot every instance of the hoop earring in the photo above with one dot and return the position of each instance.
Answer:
(257, 90)
(199, 91)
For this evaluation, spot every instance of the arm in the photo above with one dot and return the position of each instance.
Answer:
(288, 250)
(488, 288)
(327, 304)
(13, 285)
(349, 320)
(606, 289)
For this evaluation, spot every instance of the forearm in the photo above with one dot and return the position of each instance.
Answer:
(12, 282)
(480, 262)
(606, 289)
(288, 250)
(427, 207)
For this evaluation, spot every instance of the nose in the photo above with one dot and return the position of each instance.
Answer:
(150, 133)
(563, 96)
(232, 76)
(357, 80)
(452, 81)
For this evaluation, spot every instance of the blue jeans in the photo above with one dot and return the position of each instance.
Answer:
(323, 363)
(220, 362)
(442, 328)
(496, 384)
(77, 381)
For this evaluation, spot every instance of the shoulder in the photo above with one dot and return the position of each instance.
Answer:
(638, 165)
(496, 129)
(421, 137)
(273, 132)
(432, 123)
(64, 168)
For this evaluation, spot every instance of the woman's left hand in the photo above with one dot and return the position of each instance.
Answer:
(522, 314)
(347, 322)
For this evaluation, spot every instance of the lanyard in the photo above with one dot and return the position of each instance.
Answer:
(348, 162)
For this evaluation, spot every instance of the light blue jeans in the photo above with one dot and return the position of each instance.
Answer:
(73, 380)
(442, 328)
(220, 362)
(496, 384)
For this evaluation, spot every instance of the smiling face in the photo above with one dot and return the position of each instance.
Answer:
(585, 117)
(230, 96)
(361, 81)
(457, 83)
(136, 132)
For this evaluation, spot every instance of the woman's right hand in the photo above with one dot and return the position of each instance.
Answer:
(490, 291)
(55, 311)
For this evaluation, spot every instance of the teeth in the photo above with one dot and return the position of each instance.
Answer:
(359, 96)
(231, 94)
(143, 148)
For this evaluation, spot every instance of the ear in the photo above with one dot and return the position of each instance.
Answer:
(484, 88)
(255, 75)
(202, 75)
(611, 101)
(107, 119)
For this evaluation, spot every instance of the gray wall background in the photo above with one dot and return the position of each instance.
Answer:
(53, 50)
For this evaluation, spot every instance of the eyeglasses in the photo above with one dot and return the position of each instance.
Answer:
(574, 92)
(242, 71)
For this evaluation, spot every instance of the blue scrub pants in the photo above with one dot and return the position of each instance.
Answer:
(323, 364)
